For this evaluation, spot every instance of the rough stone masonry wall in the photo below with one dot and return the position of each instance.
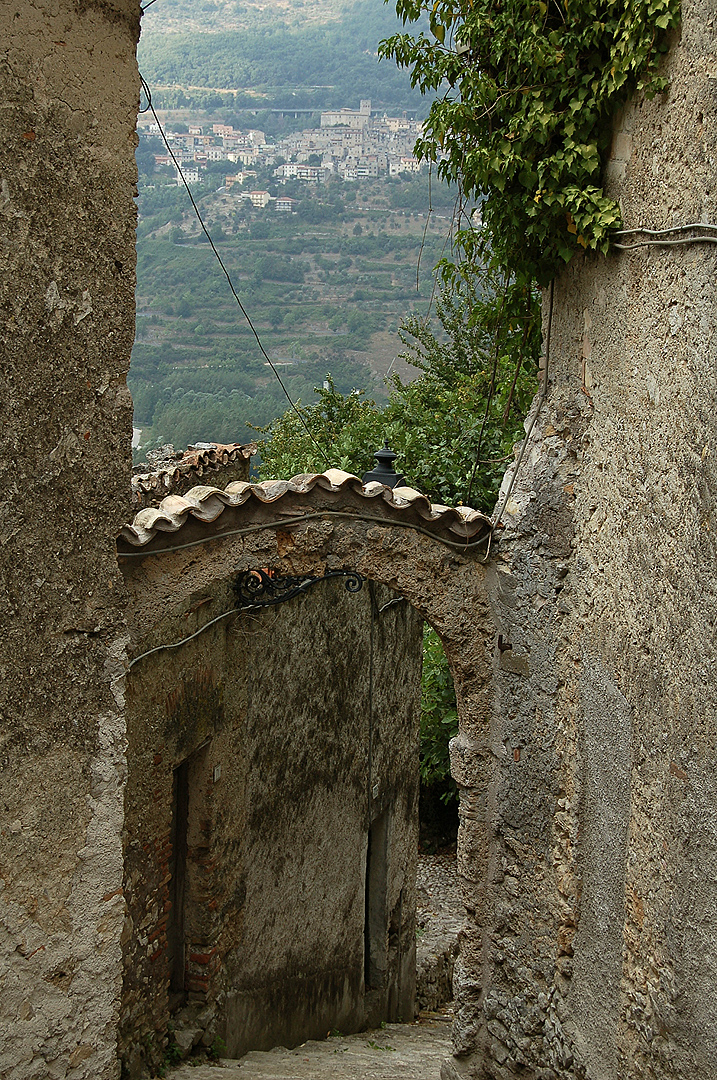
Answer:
(604, 940)
(300, 724)
(68, 99)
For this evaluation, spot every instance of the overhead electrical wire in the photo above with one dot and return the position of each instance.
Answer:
(176, 644)
(235, 294)
(664, 237)
(244, 610)
(666, 232)
(657, 238)
(297, 519)
(464, 546)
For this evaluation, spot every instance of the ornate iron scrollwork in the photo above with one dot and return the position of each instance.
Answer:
(262, 588)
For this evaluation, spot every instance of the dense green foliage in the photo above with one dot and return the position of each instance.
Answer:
(434, 422)
(522, 124)
(439, 717)
(461, 400)
(319, 66)
(525, 124)
(523, 129)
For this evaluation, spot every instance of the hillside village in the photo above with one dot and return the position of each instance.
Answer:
(351, 144)
(324, 231)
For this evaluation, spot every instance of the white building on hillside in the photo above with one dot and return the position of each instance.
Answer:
(348, 117)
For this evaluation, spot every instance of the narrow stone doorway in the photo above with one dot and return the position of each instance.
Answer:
(297, 771)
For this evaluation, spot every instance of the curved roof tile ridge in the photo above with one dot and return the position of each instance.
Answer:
(206, 504)
(152, 481)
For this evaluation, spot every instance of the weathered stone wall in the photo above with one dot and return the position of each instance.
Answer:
(300, 725)
(68, 100)
(345, 529)
(587, 849)
(604, 910)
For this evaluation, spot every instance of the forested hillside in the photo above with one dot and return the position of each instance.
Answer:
(187, 16)
(313, 64)
(327, 285)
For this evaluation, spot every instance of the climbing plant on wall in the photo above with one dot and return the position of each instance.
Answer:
(522, 123)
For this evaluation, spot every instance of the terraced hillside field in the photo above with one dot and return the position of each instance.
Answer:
(326, 288)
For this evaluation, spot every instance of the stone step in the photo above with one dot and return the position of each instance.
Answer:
(413, 1051)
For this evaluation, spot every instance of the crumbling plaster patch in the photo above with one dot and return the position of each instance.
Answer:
(68, 100)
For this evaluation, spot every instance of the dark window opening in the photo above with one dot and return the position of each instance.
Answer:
(375, 914)
(177, 884)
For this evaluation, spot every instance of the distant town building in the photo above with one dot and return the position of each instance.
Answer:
(260, 199)
(404, 165)
(237, 178)
(191, 174)
(296, 170)
(348, 117)
(249, 156)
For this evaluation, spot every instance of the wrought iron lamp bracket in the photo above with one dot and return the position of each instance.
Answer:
(262, 588)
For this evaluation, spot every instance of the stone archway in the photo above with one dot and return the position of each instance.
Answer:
(431, 556)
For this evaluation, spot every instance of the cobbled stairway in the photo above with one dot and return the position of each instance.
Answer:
(412, 1051)
(396, 1052)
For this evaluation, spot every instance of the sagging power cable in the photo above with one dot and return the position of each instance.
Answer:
(235, 294)
(706, 233)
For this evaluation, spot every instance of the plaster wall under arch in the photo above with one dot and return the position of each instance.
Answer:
(180, 563)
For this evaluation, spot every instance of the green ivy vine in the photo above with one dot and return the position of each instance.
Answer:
(527, 92)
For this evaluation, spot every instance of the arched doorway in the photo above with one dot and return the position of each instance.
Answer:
(182, 564)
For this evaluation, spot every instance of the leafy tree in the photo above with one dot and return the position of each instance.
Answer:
(522, 127)
(338, 431)
(461, 406)
(452, 427)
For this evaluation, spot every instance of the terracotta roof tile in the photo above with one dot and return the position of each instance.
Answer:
(187, 468)
(206, 504)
